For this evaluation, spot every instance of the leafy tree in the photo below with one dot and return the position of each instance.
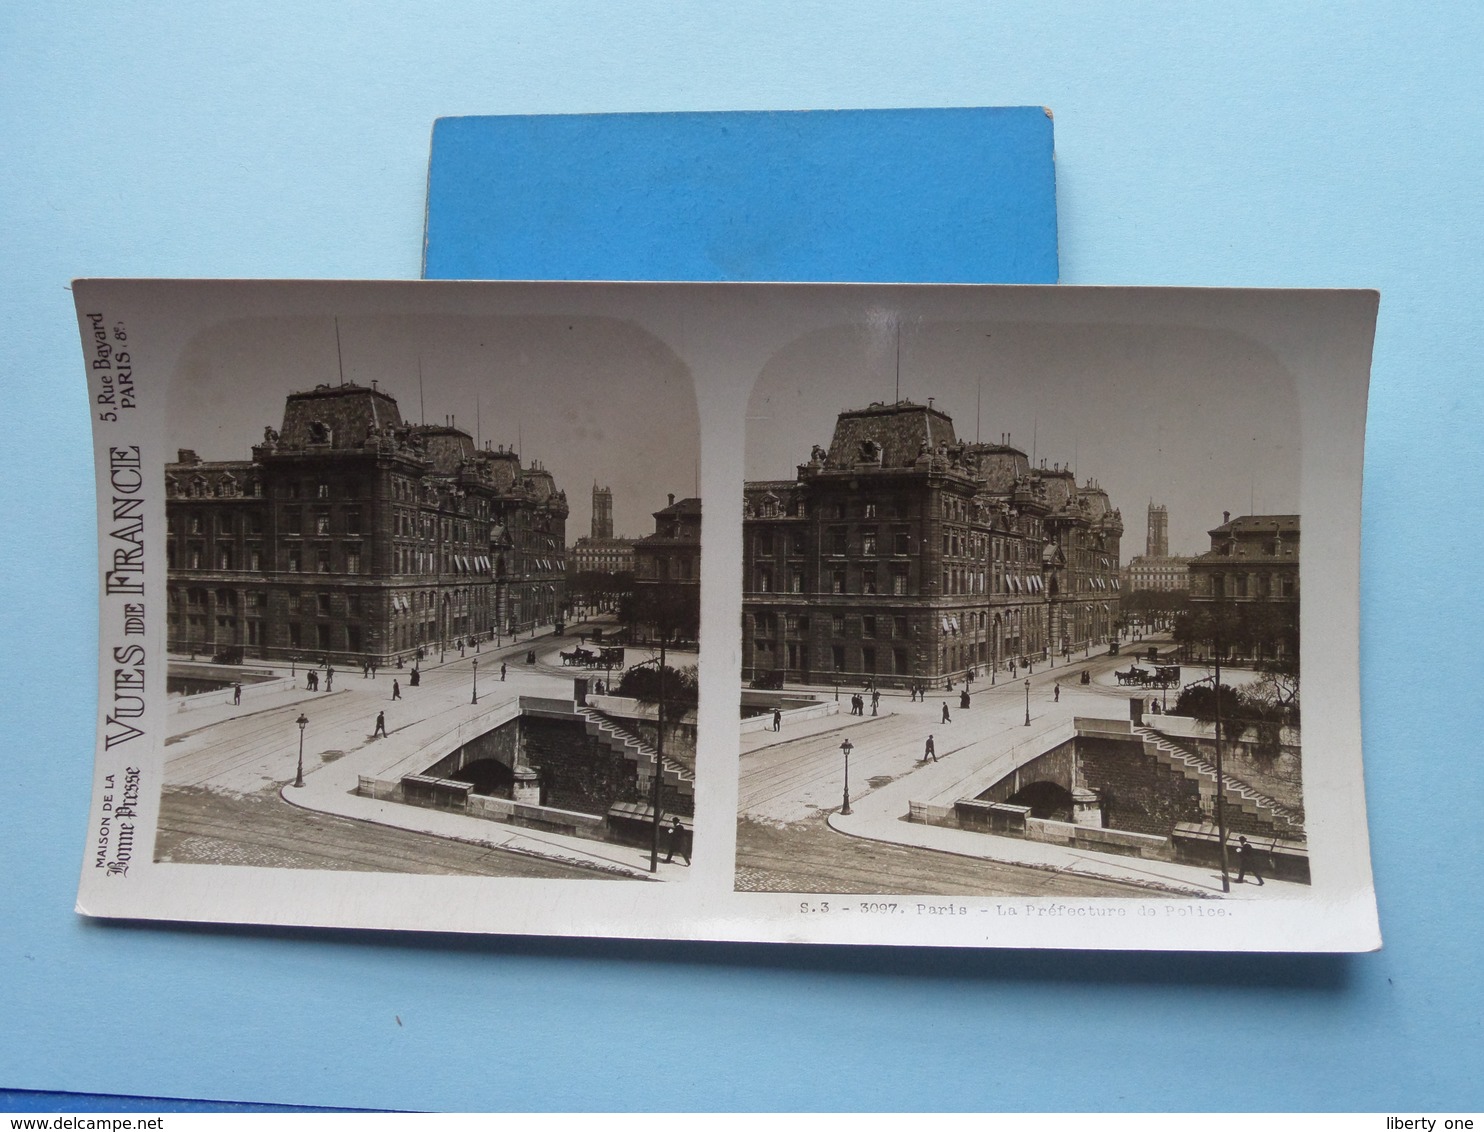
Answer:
(642, 682)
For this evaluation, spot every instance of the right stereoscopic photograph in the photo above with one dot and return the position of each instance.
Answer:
(1054, 594)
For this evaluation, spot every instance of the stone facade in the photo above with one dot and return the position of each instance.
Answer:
(351, 536)
(667, 571)
(1162, 575)
(1253, 559)
(901, 554)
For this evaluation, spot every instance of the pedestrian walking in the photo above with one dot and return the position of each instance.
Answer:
(365, 670)
(374, 666)
(677, 841)
(1247, 862)
(1056, 694)
(416, 678)
(329, 680)
(380, 725)
(946, 717)
(236, 693)
(777, 720)
(875, 699)
(502, 672)
(311, 681)
(396, 690)
(929, 752)
(963, 699)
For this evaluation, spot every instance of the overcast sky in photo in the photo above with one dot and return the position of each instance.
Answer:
(1201, 420)
(590, 398)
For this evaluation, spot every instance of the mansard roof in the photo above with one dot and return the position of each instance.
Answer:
(900, 432)
(341, 416)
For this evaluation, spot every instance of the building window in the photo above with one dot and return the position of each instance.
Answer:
(899, 661)
(352, 560)
(764, 544)
(868, 659)
(295, 560)
(837, 624)
(796, 582)
(322, 560)
(901, 542)
(868, 543)
(899, 582)
(868, 580)
(322, 523)
(323, 491)
(223, 558)
(837, 582)
(868, 626)
(764, 580)
(837, 656)
(899, 626)
(296, 635)
(323, 635)
(838, 541)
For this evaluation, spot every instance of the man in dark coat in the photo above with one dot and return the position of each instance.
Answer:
(1247, 862)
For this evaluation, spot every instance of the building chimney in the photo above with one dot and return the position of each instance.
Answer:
(672, 499)
(1226, 516)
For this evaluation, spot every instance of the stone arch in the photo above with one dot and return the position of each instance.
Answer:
(1045, 799)
(490, 776)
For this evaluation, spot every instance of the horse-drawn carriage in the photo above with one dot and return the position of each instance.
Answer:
(606, 657)
(1163, 676)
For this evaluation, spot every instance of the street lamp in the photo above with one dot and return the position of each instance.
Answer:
(846, 747)
(1027, 703)
(303, 722)
(475, 700)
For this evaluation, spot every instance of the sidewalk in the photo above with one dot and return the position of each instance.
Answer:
(881, 816)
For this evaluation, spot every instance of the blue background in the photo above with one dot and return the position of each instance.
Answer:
(913, 196)
(1268, 144)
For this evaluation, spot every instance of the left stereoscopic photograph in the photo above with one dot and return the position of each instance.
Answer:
(429, 597)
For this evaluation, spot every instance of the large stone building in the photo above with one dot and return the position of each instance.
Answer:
(1253, 568)
(1253, 558)
(667, 573)
(1156, 570)
(600, 552)
(350, 535)
(902, 554)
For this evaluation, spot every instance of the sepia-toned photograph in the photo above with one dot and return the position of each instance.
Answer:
(1021, 613)
(404, 621)
(433, 597)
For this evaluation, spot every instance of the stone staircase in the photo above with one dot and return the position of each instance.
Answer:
(1235, 792)
(624, 742)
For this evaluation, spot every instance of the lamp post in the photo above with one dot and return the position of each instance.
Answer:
(303, 722)
(846, 747)
(1027, 703)
(475, 700)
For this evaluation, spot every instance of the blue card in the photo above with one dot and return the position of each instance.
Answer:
(954, 195)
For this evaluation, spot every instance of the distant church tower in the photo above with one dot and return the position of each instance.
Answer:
(1157, 545)
(602, 512)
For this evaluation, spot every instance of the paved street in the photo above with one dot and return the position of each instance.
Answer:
(226, 766)
(791, 786)
(808, 856)
(207, 827)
